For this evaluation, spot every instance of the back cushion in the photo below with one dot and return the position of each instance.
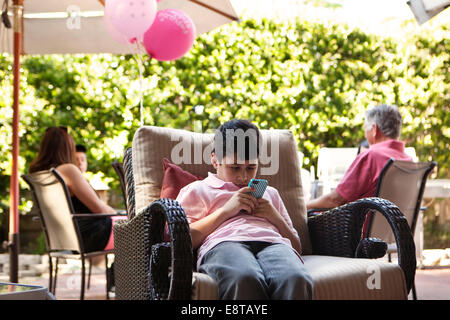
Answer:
(279, 164)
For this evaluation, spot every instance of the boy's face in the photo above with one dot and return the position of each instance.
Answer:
(230, 170)
(81, 159)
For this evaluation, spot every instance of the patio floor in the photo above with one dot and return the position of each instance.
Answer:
(431, 284)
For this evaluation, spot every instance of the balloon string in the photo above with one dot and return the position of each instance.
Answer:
(141, 91)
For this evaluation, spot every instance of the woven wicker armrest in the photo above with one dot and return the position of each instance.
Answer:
(337, 232)
(148, 266)
(96, 215)
(316, 211)
(174, 256)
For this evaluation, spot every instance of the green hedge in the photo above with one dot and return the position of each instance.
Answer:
(314, 79)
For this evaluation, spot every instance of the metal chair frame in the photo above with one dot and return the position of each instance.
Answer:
(69, 254)
(417, 208)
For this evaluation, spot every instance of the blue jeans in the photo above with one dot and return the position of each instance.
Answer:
(257, 270)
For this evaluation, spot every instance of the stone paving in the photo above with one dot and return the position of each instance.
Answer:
(432, 282)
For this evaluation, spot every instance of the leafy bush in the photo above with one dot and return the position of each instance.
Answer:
(314, 79)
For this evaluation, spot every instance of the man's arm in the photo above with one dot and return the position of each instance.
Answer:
(330, 200)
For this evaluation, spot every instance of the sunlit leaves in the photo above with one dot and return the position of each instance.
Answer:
(314, 79)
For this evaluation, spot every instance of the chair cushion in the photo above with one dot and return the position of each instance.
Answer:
(334, 278)
(175, 179)
(204, 287)
(279, 164)
(355, 279)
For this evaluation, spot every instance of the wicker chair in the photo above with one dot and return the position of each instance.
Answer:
(118, 168)
(148, 266)
(59, 223)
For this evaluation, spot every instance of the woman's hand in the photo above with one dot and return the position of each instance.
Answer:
(241, 200)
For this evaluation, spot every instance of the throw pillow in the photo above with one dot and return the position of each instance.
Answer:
(175, 178)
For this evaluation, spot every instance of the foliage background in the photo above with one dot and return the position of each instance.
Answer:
(315, 79)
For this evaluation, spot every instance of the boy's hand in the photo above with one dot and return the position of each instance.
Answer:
(241, 200)
(266, 210)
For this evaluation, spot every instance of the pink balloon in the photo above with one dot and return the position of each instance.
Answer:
(115, 35)
(170, 36)
(131, 17)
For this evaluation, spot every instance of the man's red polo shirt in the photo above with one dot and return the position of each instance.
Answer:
(360, 180)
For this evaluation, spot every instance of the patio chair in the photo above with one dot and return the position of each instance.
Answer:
(59, 224)
(125, 175)
(341, 264)
(403, 183)
(118, 167)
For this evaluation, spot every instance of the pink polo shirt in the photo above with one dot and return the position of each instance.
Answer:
(361, 179)
(203, 197)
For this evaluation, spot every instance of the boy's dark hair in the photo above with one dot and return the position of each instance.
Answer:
(80, 148)
(237, 136)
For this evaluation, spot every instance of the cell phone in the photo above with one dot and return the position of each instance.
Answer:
(259, 185)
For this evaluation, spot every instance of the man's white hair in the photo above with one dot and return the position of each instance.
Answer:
(387, 118)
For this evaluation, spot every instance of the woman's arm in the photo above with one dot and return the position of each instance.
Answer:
(80, 188)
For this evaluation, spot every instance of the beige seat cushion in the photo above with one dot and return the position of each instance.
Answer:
(334, 278)
(204, 287)
(355, 279)
(152, 144)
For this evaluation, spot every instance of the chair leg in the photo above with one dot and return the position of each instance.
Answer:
(56, 276)
(107, 277)
(50, 274)
(89, 275)
(83, 275)
(414, 294)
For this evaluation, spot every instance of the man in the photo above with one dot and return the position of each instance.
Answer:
(80, 157)
(382, 129)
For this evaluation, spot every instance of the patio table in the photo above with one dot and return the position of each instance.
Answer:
(15, 291)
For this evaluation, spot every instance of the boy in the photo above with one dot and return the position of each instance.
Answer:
(81, 158)
(247, 245)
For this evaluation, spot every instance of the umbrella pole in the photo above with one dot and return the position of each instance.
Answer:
(13, 245)
(229, 16)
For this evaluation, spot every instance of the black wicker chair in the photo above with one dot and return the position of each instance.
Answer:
(144, 258)
(118, 168)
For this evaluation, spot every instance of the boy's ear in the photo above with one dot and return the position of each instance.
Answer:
(214, 160)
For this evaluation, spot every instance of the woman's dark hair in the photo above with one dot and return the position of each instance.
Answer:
(57, 147)
(238, 136)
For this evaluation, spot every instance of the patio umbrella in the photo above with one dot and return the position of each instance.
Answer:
(69, 27)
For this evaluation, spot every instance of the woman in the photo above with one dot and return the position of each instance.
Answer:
(57, 150)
